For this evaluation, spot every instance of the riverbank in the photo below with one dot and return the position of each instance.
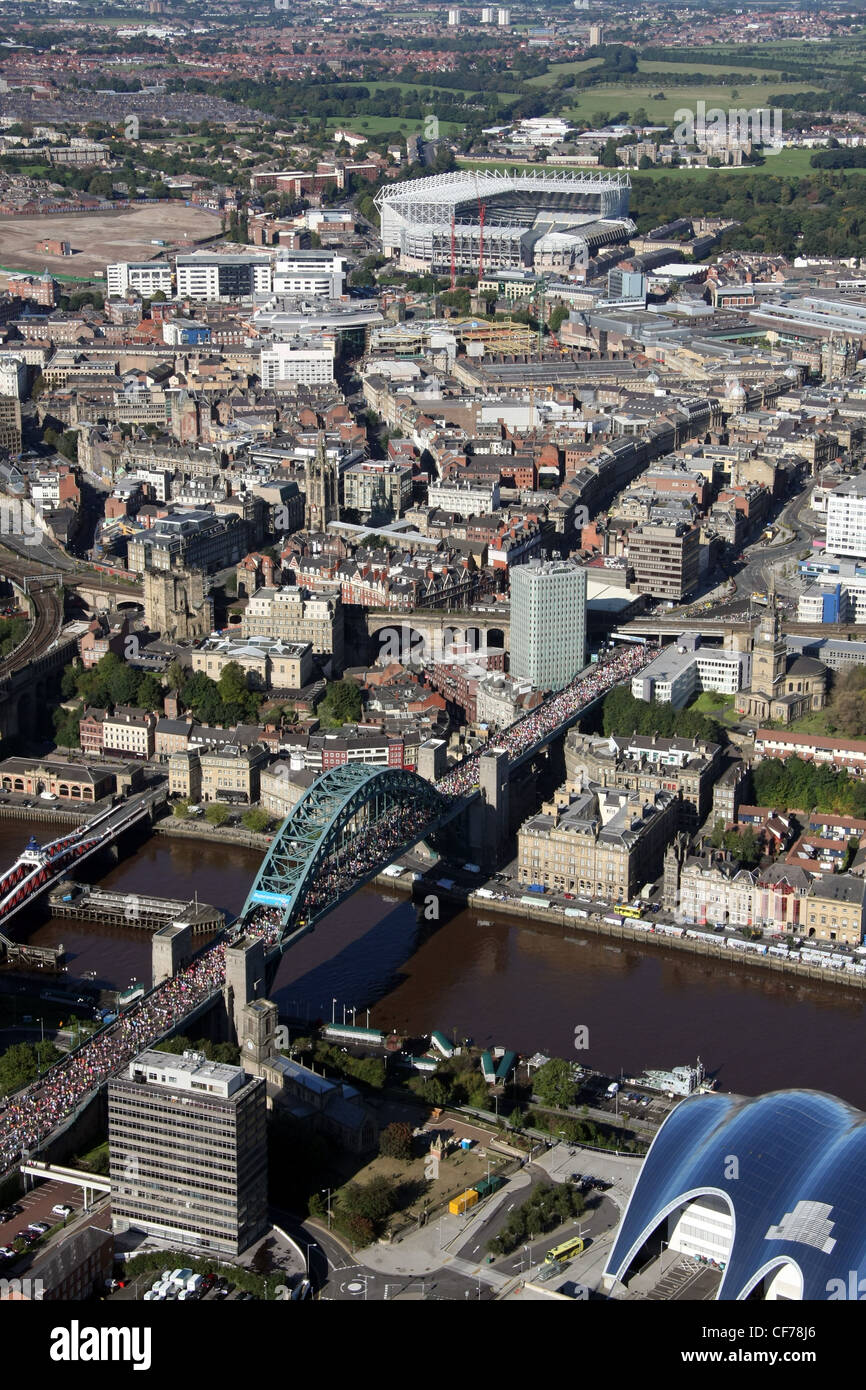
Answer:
(215, 834)
(544, 913)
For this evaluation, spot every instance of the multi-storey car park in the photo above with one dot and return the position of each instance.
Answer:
(543, 221)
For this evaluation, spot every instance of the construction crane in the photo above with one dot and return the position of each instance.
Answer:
(453, 256)
(540, 301)
(482, 209)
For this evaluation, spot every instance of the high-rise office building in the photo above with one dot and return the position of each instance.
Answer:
(846, 519)
(188, 1151)
(548, 622)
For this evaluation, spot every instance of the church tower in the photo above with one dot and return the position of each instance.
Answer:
(321, 487)
(769, 653)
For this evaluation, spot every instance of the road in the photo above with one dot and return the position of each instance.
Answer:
(342, 1278)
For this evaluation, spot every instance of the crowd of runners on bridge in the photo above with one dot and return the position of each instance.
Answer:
(526, 732)
(29, 1116)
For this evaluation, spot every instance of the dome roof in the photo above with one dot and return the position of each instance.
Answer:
(798, 1195)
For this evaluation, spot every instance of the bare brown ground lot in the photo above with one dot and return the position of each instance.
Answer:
(100, 238)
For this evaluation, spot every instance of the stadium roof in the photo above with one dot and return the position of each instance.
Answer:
(797, 1198)
(454, 187)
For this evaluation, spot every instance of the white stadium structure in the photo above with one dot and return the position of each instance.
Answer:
(541, 221)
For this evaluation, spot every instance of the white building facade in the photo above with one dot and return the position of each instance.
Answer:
(548, 622)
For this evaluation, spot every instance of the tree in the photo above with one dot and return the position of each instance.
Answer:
(21, 1063)
(181, 809)
(66, 727)
(232, 683)
(558, 315)
(554, 1083)
(123, 683)
(847, 706)
(341, 703)
(256, 820)
(149, 692)
(175, 676)
(395, 1141)
(217, 813)
(359, 1229)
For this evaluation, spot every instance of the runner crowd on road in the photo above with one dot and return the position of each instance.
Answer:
(555, 711)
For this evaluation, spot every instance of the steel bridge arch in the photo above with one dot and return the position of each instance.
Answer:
(324, 823)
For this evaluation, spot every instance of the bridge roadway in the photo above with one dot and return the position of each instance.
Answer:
(671, 627)
(30, 1116)
(41, 866)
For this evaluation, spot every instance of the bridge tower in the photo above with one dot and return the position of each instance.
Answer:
(489, 817)
(245, 980)
(171, 947)
(432, 759)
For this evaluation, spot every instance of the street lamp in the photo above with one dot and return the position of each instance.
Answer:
(328, 1190)
(333, 1010)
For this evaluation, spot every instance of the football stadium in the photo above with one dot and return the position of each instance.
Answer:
(489, 221)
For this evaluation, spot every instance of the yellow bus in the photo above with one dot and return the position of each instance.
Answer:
(567, 1251)
(625, 910)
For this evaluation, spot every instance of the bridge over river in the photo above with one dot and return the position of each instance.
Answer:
(349, 825)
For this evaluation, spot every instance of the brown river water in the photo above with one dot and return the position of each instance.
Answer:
(498, 982)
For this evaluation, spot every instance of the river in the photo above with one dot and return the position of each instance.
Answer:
(500, 983)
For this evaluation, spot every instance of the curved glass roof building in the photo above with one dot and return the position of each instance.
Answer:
(786, 1172)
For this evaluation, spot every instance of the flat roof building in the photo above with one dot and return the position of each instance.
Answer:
(188, 1151)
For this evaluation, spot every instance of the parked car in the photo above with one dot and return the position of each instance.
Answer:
(60, 1209)
(39, 1226)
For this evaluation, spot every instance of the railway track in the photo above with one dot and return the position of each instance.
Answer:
(47, 620)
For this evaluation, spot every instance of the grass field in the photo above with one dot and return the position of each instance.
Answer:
(661, 103)
(716, 705)
(785, 164)
(750, 72)
(548, 78)
(425, 92)
(388, 125)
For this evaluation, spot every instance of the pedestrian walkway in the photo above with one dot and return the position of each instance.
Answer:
(433, 1246)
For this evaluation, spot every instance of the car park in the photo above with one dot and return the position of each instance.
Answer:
(40, 1226)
